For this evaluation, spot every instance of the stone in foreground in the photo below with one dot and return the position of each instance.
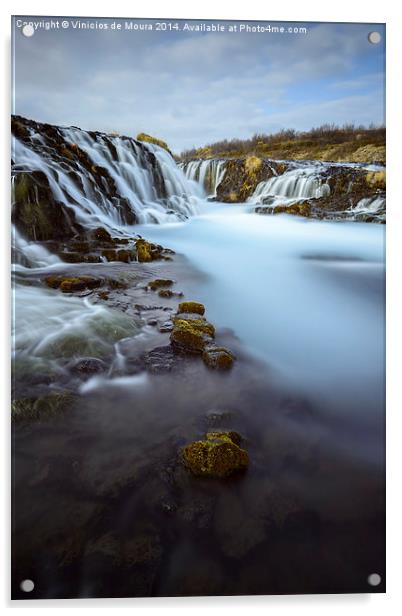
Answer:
(219, 455)
(218, 358)
(192, 307)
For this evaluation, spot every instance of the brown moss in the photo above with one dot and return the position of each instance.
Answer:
(102, 235)
(160, 282)
(217, 456)
(69, 284)
(377, 179)
(195, 307)
(144, 252)
(154, 140)
(252, 164)
(110, 254)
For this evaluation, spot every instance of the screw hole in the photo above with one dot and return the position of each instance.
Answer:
(374, 579)
(27, 585)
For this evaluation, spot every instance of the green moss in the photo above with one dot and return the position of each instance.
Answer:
(194, 307)
(144, 253)
(191, 336)
(68, 284)
(219, 455)
(218, 358)
(41, 408)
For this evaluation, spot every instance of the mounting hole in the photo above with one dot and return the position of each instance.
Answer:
(374, 579)
(374, 37)
(28, 30)
(27, 585)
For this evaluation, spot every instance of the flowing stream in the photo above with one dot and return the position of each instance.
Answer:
(302, 303)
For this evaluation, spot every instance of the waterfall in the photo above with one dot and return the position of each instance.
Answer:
(369, 206)
(297, 183)
(106, 180)
(208, 173)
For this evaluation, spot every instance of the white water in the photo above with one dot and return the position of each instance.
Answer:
(317, 321)
(208, 173)
(126, 163)
(298, 183)
(372, 206)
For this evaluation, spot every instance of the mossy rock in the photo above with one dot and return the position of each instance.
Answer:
(159, 283)
(102, 235)
(35, 212)
(166, 293)
(41, 408)
(191, 335)
(218, 358)
(68, 284)
(194, 307)
(218, 456)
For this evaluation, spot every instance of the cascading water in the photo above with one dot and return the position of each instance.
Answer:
(208, 173)
(108, 180)
(297, 183)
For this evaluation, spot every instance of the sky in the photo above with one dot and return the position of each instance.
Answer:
(194, 88)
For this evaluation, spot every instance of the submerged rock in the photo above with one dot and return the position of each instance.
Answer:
(87, 366)
(219, 455)
(218, 358)
(41, 408)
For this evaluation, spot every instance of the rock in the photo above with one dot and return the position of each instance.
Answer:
(144, 251)
(161, 359)
(102, 235)
(35, 212)
(218, 358)
(70, 284)
(159, 283)
(191, 335)
(167, 293)
(167, 326)
(51, 405)
(192, 307)
(215, 418)
(152, 322)
(87, 366)
(217, 456)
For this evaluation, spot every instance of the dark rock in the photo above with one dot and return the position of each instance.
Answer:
(161, 360)
(87, 366)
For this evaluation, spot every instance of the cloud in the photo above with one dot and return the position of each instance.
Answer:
(190, 89)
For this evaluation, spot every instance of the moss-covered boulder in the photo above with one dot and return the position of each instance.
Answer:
(191, 335)
(218, 358)
(218, 455)
(192, 307)
(68, 284)
(160, 283)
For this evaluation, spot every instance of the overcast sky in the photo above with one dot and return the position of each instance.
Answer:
(195, 88)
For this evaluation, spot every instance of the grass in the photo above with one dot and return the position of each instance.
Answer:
(326, 142)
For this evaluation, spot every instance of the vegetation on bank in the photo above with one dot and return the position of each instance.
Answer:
(326, 142)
